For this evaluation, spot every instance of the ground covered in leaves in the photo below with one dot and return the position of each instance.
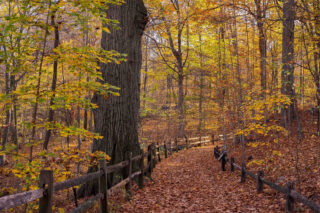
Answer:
(192, 181)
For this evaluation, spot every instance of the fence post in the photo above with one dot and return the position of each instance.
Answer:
(141, 183)
(103, 187)
(231, 164)
(153, 156)
(212, 139)
(243, 173)
(165, 150)
(200, 141)
(46, 182)
(187, 143)
(259, 181)
(149, 160)
(290, 200)
(216, 152)
(75, 196)
(1, 160)
(176, 142)
(170, 148)
(129, 172)
(223, 162)
(158, 149)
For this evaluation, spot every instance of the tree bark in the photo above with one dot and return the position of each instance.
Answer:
(6, 128)
(13, 126)
(262, 46)
(287, 77)
(201, 86)
(54, 82)
(116, 118)
(145, 78)
(181, 101)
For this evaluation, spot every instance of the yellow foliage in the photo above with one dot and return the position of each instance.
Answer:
(257, 162)
(278, 153)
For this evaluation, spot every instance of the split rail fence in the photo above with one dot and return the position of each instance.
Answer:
(47, 187)
(288, 190)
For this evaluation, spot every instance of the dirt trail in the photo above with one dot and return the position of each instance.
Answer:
(192, 181)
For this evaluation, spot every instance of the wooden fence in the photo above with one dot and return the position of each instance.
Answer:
(47, 187)
(288, 190)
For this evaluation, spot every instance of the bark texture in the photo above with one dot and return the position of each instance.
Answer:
(54, 82)
(287, 77)
(260, 16)
(116, 119)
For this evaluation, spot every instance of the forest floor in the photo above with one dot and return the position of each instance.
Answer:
(192, 181)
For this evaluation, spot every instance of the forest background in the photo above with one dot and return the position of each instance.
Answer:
(248, 70)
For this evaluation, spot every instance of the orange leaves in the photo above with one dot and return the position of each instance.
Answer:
(192, 181)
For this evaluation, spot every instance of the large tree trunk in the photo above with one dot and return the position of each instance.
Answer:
(116, 118)
(287, 77)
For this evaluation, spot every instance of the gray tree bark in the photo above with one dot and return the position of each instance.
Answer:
(200, 124)
(260, 16)
(116, 118)
(287, 75)
(54, 82)
(145, 78)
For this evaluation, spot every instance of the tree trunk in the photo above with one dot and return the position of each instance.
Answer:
(53, 84)
(316, 4)
(262, 47)
(201, 86)
(13, 126)
(145, 78)
(274, 59)
(180, 62)
(316, 77)
(116, 118)
(287, 77)
(240, 110)
(6, 128)
(181, 101)
(35, 107)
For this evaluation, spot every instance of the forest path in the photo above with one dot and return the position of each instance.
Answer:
(192, 181)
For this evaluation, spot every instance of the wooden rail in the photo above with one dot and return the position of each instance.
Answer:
(288, 190)
(47, 187)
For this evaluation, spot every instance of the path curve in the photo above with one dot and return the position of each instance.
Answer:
(192, 181)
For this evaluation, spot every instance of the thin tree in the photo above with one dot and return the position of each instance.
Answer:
(177, 51)
(35, 108)
(287, 74)
(54, 81)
